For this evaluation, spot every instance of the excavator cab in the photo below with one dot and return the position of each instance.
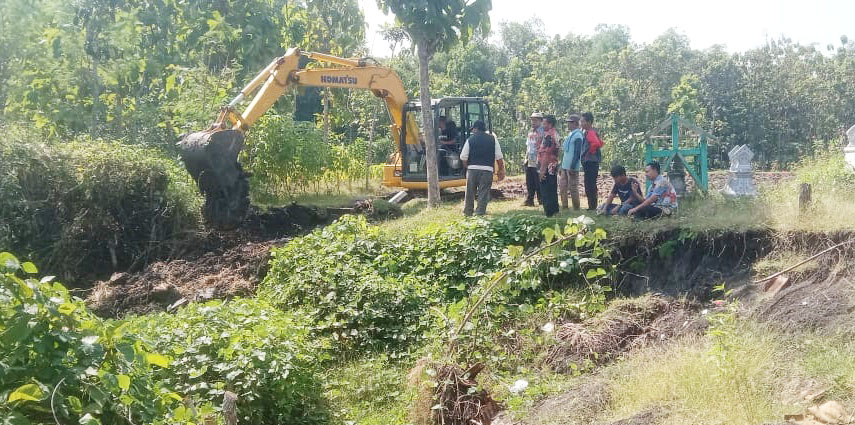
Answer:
(412, 168)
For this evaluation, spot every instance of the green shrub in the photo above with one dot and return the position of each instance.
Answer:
(284, 156)
(375, 292)
(345, 276)
(56, 358)
(91, 205)
(291, 157)
(245, 346)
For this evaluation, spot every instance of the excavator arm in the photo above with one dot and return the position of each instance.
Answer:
(283, 73)
(211, 155)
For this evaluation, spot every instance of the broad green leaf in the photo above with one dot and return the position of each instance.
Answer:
(29, 268)
(124, 382)
(548, 234)
(75, 404)
(66, 309)
(88, 419)
(27, 392)
(158, 360)
(9, 261)
(180, 413)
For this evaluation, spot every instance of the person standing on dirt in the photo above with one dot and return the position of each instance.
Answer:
(532, 143)
(547, 161)
(627, 189)
(568, 175)
(480, 152)
(661, 197)
(591, 158)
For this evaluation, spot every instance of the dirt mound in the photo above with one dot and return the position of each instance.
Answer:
(578, 405)
(647, 417)
(625, 325)
(216, 264)
(814, 303)
(234, 272)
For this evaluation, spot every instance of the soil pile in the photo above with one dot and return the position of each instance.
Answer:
(625, 325)
(216, 264)
(814, 303)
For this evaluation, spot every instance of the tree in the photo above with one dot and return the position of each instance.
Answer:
(436, 25)
(684, 99)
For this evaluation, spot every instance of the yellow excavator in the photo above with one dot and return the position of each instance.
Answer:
(211, 155)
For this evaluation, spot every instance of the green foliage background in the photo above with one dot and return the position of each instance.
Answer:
(75, 207)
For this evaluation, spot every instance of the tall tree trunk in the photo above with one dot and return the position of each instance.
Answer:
(427, 124)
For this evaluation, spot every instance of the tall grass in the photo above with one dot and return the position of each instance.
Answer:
(833, 185)
(686, 380)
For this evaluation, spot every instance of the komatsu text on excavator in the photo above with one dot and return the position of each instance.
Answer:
(211, 155)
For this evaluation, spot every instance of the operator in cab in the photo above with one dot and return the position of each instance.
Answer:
(480, 152)
(447, 134)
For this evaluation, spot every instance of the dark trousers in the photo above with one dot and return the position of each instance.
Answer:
(591, 168)
(478, 183)
(532, 183)
(549, 194)
(648, 212)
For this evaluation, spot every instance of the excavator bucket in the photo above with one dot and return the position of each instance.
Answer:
(211, 158)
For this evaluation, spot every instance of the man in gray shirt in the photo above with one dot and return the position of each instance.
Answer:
(480, 152)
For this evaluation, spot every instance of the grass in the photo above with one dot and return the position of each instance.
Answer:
(685, 379)
(780, 260)
(370, 391)
(831, 359)
(760, 380)
(708, 213)
(775, 209)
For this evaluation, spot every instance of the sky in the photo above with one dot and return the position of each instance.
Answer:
(739, 25)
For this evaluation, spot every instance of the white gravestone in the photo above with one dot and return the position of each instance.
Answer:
(849, 151)
(741, 180)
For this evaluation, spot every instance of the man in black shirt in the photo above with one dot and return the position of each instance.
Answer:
(480, 152)
(627, 189)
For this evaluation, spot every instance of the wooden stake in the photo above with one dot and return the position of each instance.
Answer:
(804, 197)
(230, 408)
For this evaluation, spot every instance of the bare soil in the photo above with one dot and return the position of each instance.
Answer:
(647, 417)
(212, 264)
(818, 303)
(625, 325)
(677, 264)
(576, 406)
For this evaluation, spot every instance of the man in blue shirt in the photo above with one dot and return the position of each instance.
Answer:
(568, 177)
(627, 189)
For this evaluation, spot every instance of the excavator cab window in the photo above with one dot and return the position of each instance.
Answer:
(463, 112)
